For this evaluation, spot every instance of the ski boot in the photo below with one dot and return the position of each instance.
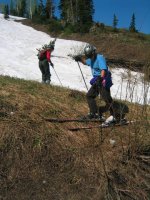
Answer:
(92, 116)
(110, 121)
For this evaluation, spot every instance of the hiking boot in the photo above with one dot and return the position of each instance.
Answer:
(122, 121)
(47, 82)
(91, 116)
(109, 121)
(43, 82)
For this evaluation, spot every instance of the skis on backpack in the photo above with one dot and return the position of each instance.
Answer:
(102, 126)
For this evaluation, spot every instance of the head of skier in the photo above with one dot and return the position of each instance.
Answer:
(50, 47)
(90, 51)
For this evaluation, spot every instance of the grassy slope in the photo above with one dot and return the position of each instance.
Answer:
(42, 160)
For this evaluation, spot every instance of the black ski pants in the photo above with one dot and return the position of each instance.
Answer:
(105, 94)
(44, 67)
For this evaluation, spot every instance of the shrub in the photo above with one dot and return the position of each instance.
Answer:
(55, 26)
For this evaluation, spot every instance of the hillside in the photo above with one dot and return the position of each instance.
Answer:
(121, 45)
(23, 63)
(121, 49)
(42, 160)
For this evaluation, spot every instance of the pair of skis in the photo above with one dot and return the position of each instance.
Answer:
(103, 125)
(59, 120)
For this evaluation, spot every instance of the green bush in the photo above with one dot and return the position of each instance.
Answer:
(69, 29)
(39, 19)
(55, 26)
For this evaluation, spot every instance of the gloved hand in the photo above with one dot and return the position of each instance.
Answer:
(104, 82)
(93, 80)
(77, 58)
(107, 80)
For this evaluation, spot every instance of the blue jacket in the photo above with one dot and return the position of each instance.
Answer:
(97, 65)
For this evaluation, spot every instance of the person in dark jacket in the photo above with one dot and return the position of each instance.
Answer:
(44, 61)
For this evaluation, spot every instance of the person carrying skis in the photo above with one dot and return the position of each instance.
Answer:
(100, 84)
(44, 61)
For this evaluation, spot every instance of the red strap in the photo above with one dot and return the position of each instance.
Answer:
(48, 55)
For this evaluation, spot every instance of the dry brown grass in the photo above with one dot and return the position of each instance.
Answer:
(116, 48)
(42, 160)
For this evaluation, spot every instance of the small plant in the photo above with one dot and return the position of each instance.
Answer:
(55, 26)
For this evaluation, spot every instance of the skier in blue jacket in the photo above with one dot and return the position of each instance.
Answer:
(100, 84)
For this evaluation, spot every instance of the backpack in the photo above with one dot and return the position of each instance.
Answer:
(42, 54)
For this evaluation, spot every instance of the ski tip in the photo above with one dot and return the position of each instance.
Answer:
(73, 129)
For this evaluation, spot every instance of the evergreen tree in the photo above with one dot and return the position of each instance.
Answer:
(35, 7)
(64, 10)
(22, 10)
(11, 7)
(85, 15)
(49, 9)
(6, 12)
(2, 7)
(32, 8)
(132, 27)
(41, 8)
(68, 11)
(14, 7)
(17, 7)
(115, 23)
(77, 12)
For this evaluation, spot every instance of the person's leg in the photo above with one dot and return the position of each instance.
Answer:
(109, 105)
(41, 66)
(90, 96)
(47, 74)
(106, 96)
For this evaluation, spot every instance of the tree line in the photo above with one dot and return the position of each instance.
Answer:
(75, 15)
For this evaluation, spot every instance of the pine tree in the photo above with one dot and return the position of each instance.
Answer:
(85, 15)
(17, 7)
(32, 8)
(49, 9)
(41, 8)
(64, 10)
(6, 12)
(77, 12)
(14, 7)
(132, 27)
(35, 7)
(115, 23)
(22, 8)
(2, 7)
(11, 7)
(72, 11)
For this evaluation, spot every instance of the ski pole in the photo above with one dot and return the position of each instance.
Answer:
(82, 75)
(57, 76)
